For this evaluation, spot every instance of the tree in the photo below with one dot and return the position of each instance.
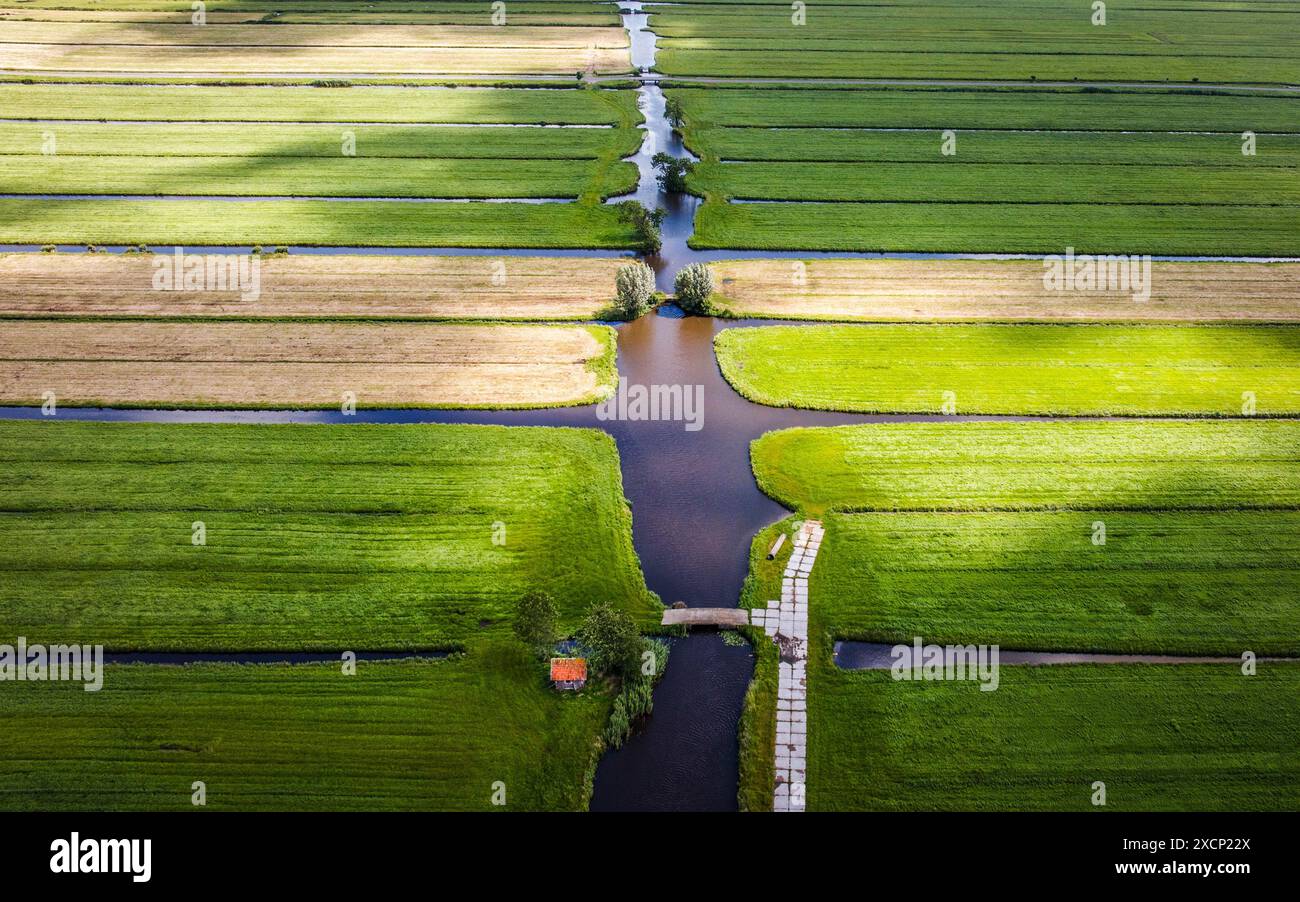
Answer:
(672, 172)
(535, 623)
(612, 641)
(636, 286)
(674, 113)
(693, 286)
(646, 222)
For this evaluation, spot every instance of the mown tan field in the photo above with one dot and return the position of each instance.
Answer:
(294, 36)
(302, 364)
(105, 15)
(1005, 290)
(316, 285)
(520, 59)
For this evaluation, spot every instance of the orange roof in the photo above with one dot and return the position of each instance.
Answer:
(564, 670)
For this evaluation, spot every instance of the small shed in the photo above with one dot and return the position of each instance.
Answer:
(569, 673)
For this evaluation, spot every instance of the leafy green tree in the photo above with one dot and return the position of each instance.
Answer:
(612, 640)
(672, 172)
(535, 623)
(674, 113)
(693, 287)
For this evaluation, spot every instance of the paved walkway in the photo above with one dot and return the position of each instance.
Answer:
(786, 621)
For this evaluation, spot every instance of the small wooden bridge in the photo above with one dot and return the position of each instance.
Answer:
(726, 618)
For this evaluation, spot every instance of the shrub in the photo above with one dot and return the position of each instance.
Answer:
(636, 286)
(646, 222)
(693, 286)
(636, 698)
(535, 623)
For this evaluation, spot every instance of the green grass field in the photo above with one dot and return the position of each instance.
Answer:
(318, 141)
(1017, 369)
(803, 62)
(315, 177)
(1084, 181)
(1193, 230)
(298, 104)
(1001, 183)
(982, 146)
(317, 537)
(1079, 465)
(948, 40)
(395, 736)
(1109, 110)
(168, 140)
(1203, 582)
(410, 223)
(1191, 581)
(1167, 738)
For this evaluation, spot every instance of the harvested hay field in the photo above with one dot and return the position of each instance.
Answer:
(101, 15)
(298, 36)
(312, 286)
(54, 58)
(312, 49)
(315, 365)
(999, 290)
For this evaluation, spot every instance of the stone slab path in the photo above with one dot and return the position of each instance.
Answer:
(786, 621)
